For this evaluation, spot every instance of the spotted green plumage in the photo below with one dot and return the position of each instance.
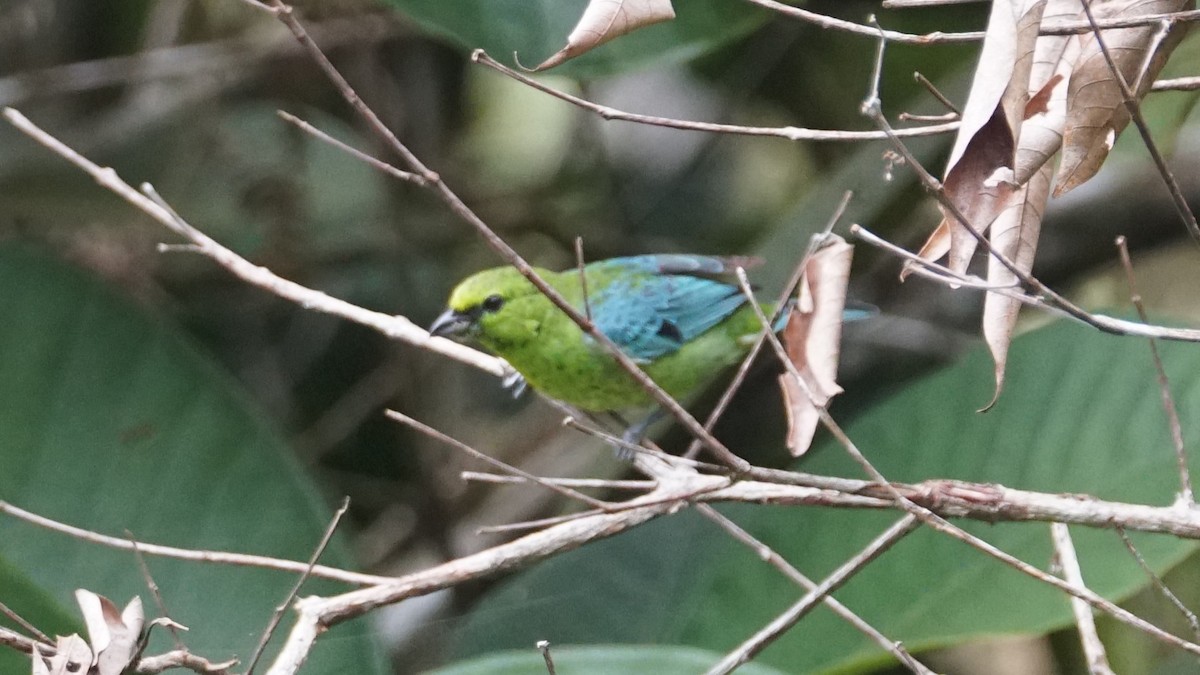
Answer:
(670, 313)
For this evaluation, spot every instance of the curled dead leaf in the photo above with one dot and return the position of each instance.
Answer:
(604, 20)
(812, 338)
(1096, 112)
(113, 634)
(71, 657)
(1015, 236)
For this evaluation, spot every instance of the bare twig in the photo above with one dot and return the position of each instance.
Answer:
(543, 646)
(933, 91)
(1068, 561)
(583, 286)
(790, 133)
(1177, 84)
(773, 630)
(788, 290)
(600, 483)
(1065, 28)
(907, 4)
(777, 561)
(381, 165)
(1164, 386)
(396, 327)
(21, 643)
(1135, 113)
(231, 58)
(28, 627)
(1161, 585)
(155, 592)
(277, 615)
(181, 658)
(941, 525)
(493, 462)
(216, 557)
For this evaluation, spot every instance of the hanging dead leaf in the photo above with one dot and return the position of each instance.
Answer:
(979, 178)
(813, 340)
(71, 657)
(1096, 111)
(113, 634)
(1054, 57)
(1014, 235)
(604, 20)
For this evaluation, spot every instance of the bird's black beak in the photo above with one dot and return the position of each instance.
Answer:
(451, 323)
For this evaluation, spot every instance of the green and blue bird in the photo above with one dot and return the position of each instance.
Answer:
(674, 314)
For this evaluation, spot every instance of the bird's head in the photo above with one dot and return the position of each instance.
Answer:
(479, 303)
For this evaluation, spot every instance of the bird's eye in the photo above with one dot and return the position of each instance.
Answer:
(493, 303)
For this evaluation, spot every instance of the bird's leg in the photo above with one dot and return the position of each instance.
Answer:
(634, 433)
(515, 383)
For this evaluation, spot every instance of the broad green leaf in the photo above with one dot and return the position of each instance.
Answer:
(32, 603)
(1081, 414)
(535, 29)
(111, 422)
(605, 660)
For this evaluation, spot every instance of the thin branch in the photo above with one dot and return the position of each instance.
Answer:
(788, 290)
(379, 164)
(21, 643)
(942, 525)
(395, 327)
(599, 483)
(790, 133)
(1164, 386)
(216, 557)
(1064, 28)
(181, 658)
(777, 561)
(933, 91)
(493, 462)
(543, 646)
(1177, 84)
(1068, 561)
(277, 615)
(583, 285)
(316, 615)
(907, 4)
(1135, 113)
(1161, 585)
(28, 627)
(776, 628)
(155, 592)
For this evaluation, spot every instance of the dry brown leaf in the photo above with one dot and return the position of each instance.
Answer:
(813, 339)
(71, 658)
(1015, 236)
(979, 179)
(1054, 57)
(604, 20)
(113, 634)
(1096, 111)
(936, 246)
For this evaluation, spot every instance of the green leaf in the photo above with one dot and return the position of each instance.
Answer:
(32, 603)
(1081, 414)
(614, 659)
(535, 29)
(109, 421)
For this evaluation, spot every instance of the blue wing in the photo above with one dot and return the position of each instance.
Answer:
(651, 305)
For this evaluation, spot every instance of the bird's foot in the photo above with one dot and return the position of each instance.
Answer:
(515, 383)
(633, 436)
